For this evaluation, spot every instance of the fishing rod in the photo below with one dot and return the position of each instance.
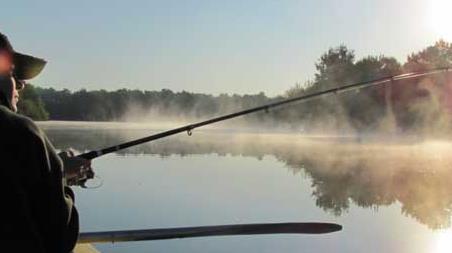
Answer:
(188, 128)
(222, 230)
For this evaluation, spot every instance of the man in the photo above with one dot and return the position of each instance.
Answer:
(37, 212)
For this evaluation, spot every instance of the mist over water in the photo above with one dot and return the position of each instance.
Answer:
(415, 108)
(343, 170)
(382, 170)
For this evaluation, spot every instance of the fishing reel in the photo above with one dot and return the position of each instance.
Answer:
(82, 177)
(77, 171)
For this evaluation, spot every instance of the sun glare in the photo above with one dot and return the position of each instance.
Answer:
(444, 242)
(441, 18)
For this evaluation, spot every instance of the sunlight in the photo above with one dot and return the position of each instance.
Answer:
(444, 242)
(441, 18)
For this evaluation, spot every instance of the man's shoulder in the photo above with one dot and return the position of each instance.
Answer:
(13, 122)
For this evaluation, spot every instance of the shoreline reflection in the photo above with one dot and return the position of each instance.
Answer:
(343, 171)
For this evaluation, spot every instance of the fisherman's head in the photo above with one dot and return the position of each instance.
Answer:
(15, 68)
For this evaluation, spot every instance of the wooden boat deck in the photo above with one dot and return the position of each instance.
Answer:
(85, 248)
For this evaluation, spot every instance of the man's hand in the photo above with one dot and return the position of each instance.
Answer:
(76, 169)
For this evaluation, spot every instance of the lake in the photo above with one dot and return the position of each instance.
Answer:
(389, 196)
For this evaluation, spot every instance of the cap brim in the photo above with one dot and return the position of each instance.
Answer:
(26, 66)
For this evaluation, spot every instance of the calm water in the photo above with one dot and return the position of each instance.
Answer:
(389, 197)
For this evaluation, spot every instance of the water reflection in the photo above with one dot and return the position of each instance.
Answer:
(343, 171)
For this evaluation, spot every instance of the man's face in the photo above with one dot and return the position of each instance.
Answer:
(14, 95)
(6, 69)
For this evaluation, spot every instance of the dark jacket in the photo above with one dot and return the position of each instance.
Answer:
(37, 212)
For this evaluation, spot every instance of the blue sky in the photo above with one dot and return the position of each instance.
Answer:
(245, 46)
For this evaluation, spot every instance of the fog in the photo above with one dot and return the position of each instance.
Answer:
(343, 169)
(373, 147)
(420, 107)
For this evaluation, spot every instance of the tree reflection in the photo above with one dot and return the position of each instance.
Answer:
(343, 171)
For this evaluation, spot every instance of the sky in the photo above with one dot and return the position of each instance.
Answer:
(243, 47)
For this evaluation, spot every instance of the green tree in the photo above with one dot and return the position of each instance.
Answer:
(437, 56)
(31, 105)
(425, 106)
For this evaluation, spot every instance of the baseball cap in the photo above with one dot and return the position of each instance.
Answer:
(25, 66)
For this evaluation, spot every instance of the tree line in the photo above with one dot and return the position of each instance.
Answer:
(418, 104)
